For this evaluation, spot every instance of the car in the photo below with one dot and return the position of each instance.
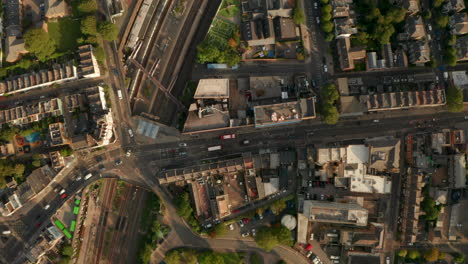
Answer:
(246, 220)
(260, 216)
(316, 5)
(63, 196)
(376, 121)
(241, 223)
(183, 153)
(130, 132)
(254, 232)
(62, 191)
(429, 27)
(235, 211)
(182, 144)
(309, 183)
(245, 142)
(245, 234)
(128, 153)
(325, 68)
(38, 224)
(78, 178)
(322, 197)
(230, 136)
(309, 253)
(231, 227)
(118, 162)
(47, 206)
(318, 20)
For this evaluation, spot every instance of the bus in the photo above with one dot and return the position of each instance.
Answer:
(72, 226)
(59, 224)
(215, 148)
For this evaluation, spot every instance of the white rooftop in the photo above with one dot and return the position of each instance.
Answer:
(460, 78)
(357, 154)
(212, 88)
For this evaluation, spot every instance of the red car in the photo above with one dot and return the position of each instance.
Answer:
(235, 211)
(63, 196)
(246, 220)
(231, 136)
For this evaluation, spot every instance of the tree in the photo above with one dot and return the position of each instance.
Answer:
(441, 21)
(414, 254)
(182, 204)
(298, 15)
(66, 151)
(402, 253)
(458, 257)
(431, 255)
(89, 25)
(265, 239)
(230, 57)
(330, 114)
(326, 16)
(255, 259)
(220, 230)
(326, 8)
(36, 163)
(329, 94)
(327, 26)
(210, 257)
(38, 42)
(19, 170)
(278, 206)
(172, 257)
(442, 255)
(281, 262)
(207, 53)
(108, 31)
(67, 250)
(283, 235)
(362, 38)
(329, 37)
(432, 63)
(438, 3)
(452, 40)
(396, 15)
(427, 14)
(324, 2)
(454, 102)
(189, 256)
(87, 6)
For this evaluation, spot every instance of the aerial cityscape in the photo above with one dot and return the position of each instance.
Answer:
(234, 132)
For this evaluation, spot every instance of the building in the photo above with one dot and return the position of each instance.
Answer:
(25, 114)
(102, 121)
(57, 160)
(344, 27)
(285, 29)
(457, 171)
(398, 100)
(56, 9)
(58, 74)
(284, 113)
(419, 52)
(258, 32)
(14, 43)
(458, 23)
(462, 48)
(384, 154)
(412, 7)
(57, 134)
(414, 27)
(89, 67)
(335, 213)
(14, 48)
(348, 55)
(411, 210)
(454, 6)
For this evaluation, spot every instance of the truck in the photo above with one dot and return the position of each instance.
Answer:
(119, 93)
(89, 175)
(230, 136)
(215, 148)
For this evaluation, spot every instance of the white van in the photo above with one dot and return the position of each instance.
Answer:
(130, 132)
(89, 175)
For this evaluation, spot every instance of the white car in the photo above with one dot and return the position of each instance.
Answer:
(46, 207)
(376, 121)
(316, 5)
(325, 68)
(62, 191)
(318, 20)
(241, 223)
(231, 227)
(254, 232)
(245, 234)
(129, 153)
(182, 144)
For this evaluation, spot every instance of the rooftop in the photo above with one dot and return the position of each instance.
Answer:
(212, 88)
(267, 115)
(334, 212)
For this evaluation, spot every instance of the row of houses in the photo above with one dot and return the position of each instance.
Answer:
(26, 114)
(384, 101)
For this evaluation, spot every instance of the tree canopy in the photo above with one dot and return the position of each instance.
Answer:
(458, 257)
(108, 31)
(209, 257)
(87, 6)
(327, 26)
(39, 43)
(89, 25)
(431, 255)
(454, 99)
(441, 21)
(329, 94)
(298, 15)
(278, 206)
(402, 253)
(414, 254)
(182, 202)
(268, 237)
(437, 3)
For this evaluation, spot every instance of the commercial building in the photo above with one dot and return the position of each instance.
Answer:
(335, 213)
(58, 74)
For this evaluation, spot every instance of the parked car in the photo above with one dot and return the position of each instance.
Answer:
(245, 234)
(241, 224)
(182, 144)
(254, 233)
(325, 68)
(231, 227)
(118, 162)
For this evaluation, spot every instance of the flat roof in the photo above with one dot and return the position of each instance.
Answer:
(212, 88)
(266, 115)
(334, 212)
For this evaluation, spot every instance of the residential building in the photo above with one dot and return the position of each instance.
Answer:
(25, 114)
(56, 9)
(412, 7)
(398, 100)
(89, 67)
(56, 160)
(344, 27)
(14, 43)
(58, 74)
(281, 8)
(419, 52)
(371, 60)
(285, 29)
(454, 6)
(462, 48)
(14, 48)
(335, 213)
(258, 32)
(457, 171)
(387, 54)
(284, 113)
(411, 210)
(459, 23)
(57, 134)
(102, 121)
(414, 27)
(348, 55)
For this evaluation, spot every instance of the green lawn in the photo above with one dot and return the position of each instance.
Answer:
(65, 32)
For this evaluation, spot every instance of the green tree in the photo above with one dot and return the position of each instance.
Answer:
(38, 42)
(330, 114)
(36, 163)
(298, 15)
(452, 41)
(329, 94)
(431, 255)
(182, 203)
(172, 257)
(281, 262)
(89, 25)
(414, 254)
(326, 8)
(396, 15)
(256, 259)
(402, 253)
(278, 206)
(283, 235)
(324, 2)
(108, 31)
(188, 256)
(432, 63)
(437, 3)
(362, 38)
(327, 26)
(207, 53)
(329, 37)
(427, 14)
(66, 151)
(442, 255)
(458, 258)
(220, 230)
(266, 239)
(87, 6)
(441, 21)
(210, 257)
(230, 57)
(455, 104)
(19, 170)
(67, 250)
(326, 16)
